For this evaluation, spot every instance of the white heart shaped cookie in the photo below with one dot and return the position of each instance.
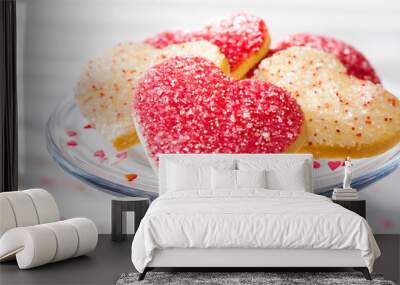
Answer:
(344, 116)
(104, 90)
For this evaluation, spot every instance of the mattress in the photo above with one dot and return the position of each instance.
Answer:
(251, 219)
(255, 257)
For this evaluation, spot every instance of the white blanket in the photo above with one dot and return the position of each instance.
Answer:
(250, 219)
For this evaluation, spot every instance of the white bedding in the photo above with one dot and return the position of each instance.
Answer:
(250, 219)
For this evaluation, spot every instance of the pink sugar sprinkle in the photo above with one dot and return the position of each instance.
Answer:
(99, 153)
(72, 143)
(122, 155)
(354, 61)
(386, 223)
(46, 181)
(238, 37)
(71, 133)
(190, 102)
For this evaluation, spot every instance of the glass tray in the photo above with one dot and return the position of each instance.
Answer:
(82, 152)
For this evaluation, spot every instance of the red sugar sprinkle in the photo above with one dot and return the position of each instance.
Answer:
(88, 126)
(131, 176)
(187, 105)
(316, 164)
(238, 37)
(71, 133)
(72, 143)
(354, 61)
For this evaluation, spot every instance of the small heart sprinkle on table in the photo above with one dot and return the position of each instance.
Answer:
(100, 153)
(71, 133)
(131, 176)
(88, 126)
(333, 165)
(72, 143)
(316, 164)
(122, 155)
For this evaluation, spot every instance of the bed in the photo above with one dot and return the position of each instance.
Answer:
(247, 210)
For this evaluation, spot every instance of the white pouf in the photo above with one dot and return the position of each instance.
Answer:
(31, 230)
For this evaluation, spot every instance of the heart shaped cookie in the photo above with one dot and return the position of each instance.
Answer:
(242, 38)
(344, 116)
(187, 105)
(104, 91)
(354, 61)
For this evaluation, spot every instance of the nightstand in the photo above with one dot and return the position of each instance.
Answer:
(357, 206)
(119, 207)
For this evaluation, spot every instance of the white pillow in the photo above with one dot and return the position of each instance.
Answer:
(251, 179)
(182, 177)
(223, 179)
(230, 180)
(290, 175)
(295, 180)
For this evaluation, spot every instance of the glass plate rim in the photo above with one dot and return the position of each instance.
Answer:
(114, 188)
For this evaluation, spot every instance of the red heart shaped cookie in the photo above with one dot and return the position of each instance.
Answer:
(354, 61)
(242, 38)
(187, 105)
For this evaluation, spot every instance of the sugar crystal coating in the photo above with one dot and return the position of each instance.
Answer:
(167, 38)
(354, 61)
(187, 105)
(238, 37)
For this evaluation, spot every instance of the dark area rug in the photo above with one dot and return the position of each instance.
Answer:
(243, 278)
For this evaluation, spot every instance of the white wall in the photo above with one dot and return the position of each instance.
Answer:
(56, 37)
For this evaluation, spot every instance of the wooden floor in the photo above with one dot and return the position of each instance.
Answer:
(110, 260)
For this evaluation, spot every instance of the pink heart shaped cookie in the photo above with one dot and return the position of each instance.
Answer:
(187, 105)
(242, 38)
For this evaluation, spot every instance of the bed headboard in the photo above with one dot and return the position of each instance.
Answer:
(215, 159)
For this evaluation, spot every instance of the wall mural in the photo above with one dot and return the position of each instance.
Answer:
(228, 86)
